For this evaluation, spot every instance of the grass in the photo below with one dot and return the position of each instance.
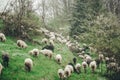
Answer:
(44, 68)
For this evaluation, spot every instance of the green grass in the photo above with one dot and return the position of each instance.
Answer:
(43, 68)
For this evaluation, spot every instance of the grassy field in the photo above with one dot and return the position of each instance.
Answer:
(43, 68)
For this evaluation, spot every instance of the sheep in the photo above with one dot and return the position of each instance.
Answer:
(45, 40)
(51, 42)
(21, 44)
(47, 52)
(61, 74)
(78, 68)
(5, 59)
(74, 60)
(67, 72)
(28, 64)
(101, 57)
(70, 67)
(97, 62)
(2, 37)
(88, 59)
(112, 67)
(58, 58)
(1, 67)
(84, 65)
(93, 66)
(50, 47)
(34, 52)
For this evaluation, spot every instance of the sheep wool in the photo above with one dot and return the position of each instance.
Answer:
(47, 52)
(28, 64)
(84, 65)
(78, 67)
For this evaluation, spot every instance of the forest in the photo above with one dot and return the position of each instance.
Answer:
(59, 39)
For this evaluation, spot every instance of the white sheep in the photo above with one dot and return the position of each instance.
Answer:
(45, 40)
(101, 57)
(84, 65)
(70, 68)
(21, 44)
(28, 64)
(61, 74)
(88, 59)
(2, 37)
(58, 58)
(67, 72)
(93, 66)
(51, 42)
(78, 68)
(34, 52)
(47, 52)
(1, 67)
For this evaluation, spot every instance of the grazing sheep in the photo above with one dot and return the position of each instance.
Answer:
(21, 44)
(71, 68)
(93, 66)
(112, 67)
(51, 42)
(28, 64)
(5, 59)
(67, 72)
(101, 57)
(61, 74)
(58, 58)
(88, 59)
(34, 52)
(84, 65)
(45, 40)
(1, 67)
(47, 52)
(50, 47)
(97, 62)
(74, 60)
(78, 68)
(2, 37)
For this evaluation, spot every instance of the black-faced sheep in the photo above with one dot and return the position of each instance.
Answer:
(21, 44)
(88, 59)
(28, 64)
(93, 66)
(2, 37)
(61, 74)
(67, 72)
(34, 52)
(84, 65)
(58, 58)
(78, 68)
(5, 59)
(1, 67)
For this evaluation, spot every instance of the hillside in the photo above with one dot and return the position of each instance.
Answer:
(44, 68)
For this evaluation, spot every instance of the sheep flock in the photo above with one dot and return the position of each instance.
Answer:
(82, 62)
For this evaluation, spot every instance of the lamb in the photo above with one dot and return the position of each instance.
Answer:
(5, 59)
(84, 65)
(93, 66)
(34, 52)
(47, 52)
(28, 64)
(1, 67)
(21, 44)
(2, 37)
(78, 68)
(61, 74)
(58, 58)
